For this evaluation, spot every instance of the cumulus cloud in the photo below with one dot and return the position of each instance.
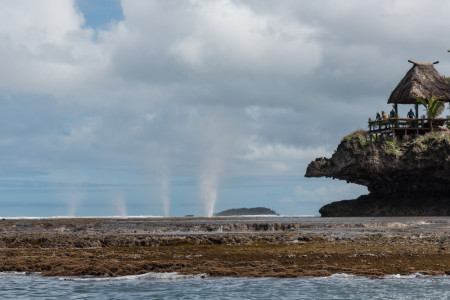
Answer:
(325, 192)
(278, 158)
(44, 48)
(230, 36)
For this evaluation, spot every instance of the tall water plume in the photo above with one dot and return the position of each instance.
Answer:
(74, 201)
(164, 190)
(219, 141)
(158, 163)
(120, 204)
(209, 182)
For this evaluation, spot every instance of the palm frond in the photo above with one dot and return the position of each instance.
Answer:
(421, 101)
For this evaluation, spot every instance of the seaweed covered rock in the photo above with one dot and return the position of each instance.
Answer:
(409, 177)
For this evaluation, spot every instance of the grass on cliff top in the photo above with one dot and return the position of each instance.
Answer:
(424, 141)
(393, 148)
(436, 135)
(399, 146)
(360, 134)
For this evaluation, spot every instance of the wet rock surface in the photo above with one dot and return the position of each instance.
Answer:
(279, 247)
(404, 178)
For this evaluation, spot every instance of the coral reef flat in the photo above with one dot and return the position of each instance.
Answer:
(240, 247)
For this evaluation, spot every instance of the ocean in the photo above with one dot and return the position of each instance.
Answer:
(174, 286)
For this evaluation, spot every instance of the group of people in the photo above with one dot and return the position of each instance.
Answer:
(383, 115)
(392, 114)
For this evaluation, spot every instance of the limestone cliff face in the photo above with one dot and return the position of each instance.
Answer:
(416, 170)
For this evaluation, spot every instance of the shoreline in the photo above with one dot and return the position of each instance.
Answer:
(227, 247)
(178, 276)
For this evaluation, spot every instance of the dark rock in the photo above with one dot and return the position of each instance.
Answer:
(404, 178)
(367, 205)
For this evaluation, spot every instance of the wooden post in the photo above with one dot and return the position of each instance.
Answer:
(417, 110)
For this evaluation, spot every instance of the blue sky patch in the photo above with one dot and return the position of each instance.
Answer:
(99, 13)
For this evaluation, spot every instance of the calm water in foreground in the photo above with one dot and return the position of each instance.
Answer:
(173, 286)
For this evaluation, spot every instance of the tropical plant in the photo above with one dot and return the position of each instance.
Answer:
(433, 106)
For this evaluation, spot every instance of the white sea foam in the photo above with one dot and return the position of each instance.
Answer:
(15, 273)
(393, 276)
(146, 276)
(398, 276)
(411, 276)
(341, 275)
(424, 223)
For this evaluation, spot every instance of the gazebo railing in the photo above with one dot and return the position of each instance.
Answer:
(418, 124)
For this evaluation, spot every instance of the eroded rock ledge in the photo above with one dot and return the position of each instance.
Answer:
(404, 178)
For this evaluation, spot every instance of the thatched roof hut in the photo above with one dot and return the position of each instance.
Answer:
(422, 80)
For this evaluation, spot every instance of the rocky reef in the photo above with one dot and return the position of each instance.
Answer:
(410, 177)
(226, 247)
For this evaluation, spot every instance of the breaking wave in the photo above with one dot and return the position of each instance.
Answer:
(146, 276)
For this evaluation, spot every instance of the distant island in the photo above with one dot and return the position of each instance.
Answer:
(246, 212)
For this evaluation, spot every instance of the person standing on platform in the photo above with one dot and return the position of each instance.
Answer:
(392, 114)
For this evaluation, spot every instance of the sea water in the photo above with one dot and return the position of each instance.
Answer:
(174, 286)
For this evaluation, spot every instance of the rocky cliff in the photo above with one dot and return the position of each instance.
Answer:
(404, 178)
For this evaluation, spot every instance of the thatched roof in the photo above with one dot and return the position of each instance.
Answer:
(420, 81)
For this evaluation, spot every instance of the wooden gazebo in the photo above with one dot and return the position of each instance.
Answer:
(422, 80)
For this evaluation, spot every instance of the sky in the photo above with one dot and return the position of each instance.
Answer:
(177, 107)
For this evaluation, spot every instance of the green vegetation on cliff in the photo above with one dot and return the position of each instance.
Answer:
(358, 135)
(359, 139)
(394, 148)
(438, 136)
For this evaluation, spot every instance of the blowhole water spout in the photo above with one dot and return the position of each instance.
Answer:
(165, 187)
(120, 205)
(208, 194)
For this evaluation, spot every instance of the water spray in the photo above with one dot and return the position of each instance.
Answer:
(208, 191)
(120, 205)
(165, 188)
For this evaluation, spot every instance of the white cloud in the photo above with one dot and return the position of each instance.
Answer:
(231, 36)
(44, 48)
(325, 193)
(191, 51)
(278, 158)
